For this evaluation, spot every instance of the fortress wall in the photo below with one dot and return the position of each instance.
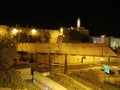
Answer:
(41, 51)
(25, 73)
(73, 60)
(53, 36)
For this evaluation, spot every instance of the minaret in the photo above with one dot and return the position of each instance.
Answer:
(78, 22)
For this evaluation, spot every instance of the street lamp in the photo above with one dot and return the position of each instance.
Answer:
(102, 40)
(108, 58)
(33, 31)
(15, 32)
(61, 31)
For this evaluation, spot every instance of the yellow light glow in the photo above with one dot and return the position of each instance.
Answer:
(78, 22)
(102, 36)
(61, 31)
(20, 31)
(15, 31)
(102, 59)
(34, 32)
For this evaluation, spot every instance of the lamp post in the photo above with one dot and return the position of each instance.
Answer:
(65, 66)
(34, 32)
(108, 58)
(19, 32)
(102, 40)
(15, 32)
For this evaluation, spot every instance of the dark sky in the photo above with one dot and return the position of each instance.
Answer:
(98, 17)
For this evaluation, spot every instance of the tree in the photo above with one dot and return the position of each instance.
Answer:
(9, 77)
(43, 37)
(8, 53)
(76, 36)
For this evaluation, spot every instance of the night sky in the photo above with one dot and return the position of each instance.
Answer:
(99, 18)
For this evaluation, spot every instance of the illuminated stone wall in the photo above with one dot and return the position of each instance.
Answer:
(67, 48)
(73, 60)
(25, 73)
(75, 52)
(115, 42)
(110, 41)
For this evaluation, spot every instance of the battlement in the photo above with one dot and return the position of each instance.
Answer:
(66, 48)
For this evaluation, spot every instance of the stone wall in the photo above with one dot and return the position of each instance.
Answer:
(75, 53)
(25, 73)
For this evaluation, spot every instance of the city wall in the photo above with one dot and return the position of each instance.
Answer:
(42, 52)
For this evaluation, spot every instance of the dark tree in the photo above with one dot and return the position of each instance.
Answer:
(9, 77)
(8, 53)
(75, 35)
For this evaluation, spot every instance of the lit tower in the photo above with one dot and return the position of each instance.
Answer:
(78, 23)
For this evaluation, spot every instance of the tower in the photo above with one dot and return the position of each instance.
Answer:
(78, 22)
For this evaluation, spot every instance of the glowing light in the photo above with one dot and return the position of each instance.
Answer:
(61, 31)
(34, 32)
(103, 38)
(15, 31)
(20, 30)
(102, 59)
(78, 22)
